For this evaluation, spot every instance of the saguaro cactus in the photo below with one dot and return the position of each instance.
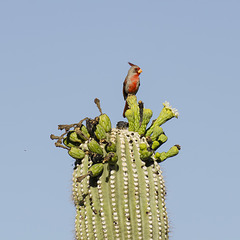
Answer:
(118, 188)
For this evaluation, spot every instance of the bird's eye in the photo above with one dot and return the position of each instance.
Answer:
(136, 69)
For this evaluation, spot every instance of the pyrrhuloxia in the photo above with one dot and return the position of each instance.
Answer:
(131, 83)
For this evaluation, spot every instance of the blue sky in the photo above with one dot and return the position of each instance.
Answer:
(57, 56)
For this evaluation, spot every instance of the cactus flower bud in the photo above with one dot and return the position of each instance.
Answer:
(96, 169)
(162, 138)
(105, 122)
(72, 136)
(76, 153)
(68, 143)
(157, 131)
(130, 117)
(145, 155)
(85, 131)
(143, 146)
(173, 151)
(132, 114)
(113, 158)
(100, 132)
(166, 114)
(111, 147)
(155, 145)
(147, 114)
(95, 147)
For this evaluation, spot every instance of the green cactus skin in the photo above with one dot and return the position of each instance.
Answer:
(118, 189)
(138, 189)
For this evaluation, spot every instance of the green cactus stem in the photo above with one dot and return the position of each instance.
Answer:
(118, 188)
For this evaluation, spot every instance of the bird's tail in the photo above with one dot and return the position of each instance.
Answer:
(125, 109)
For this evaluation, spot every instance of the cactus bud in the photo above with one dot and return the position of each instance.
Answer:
(76, 153)
(96, 169)
(100, 132)
(105, 122)
(160, 157)
(130, 117)
(113, 159)
(145, 155)
(111, 147)
(95, 147)
(85, 131)
(68, 143)
(143, 146)
(157, 131)
(147, 114)
(132, 114)
(162, 139)
(72, 136)
(155, 145)
(166, 114)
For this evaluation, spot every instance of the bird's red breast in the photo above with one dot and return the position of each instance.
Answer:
(132, 84)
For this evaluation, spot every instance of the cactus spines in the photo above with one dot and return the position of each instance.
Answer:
(118, 188)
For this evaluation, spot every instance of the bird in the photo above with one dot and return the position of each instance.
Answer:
(131, 83)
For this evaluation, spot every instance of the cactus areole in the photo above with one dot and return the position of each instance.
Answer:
(118, 189)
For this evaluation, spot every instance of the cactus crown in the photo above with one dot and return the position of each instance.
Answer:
(118, 189)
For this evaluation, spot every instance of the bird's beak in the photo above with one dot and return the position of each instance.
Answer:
(140, 70)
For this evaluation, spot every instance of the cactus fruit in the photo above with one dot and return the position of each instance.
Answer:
(118, 188)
